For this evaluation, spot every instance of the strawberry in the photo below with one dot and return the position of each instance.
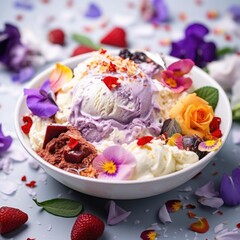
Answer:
(201, 226)
(11, 219)
(56, 36)
(81, 49)
(87, 227)
(116, 37)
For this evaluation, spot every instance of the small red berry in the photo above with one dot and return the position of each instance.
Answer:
(11, 219)
(87, 227)
(56, 36)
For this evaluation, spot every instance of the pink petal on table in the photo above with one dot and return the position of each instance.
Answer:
(219, 227)
(236, 136)
(231, 235)
(164, 215)
(7, 165)
(8, 187)
(208, 190)
(115, 214)
(214, 202)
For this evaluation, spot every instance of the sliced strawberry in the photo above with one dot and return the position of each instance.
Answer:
(11, 219)
(81, 50)
(116, 37)
(201, 226)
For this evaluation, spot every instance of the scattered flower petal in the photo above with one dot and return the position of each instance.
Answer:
(116, 214)
(61, 74)
(115, 163)
(93, 11)
(235, 12)
(207, 190)
(236, 136)
(8, 187)
(149, 234)
(176, 140)
(27, 124)
(173, 205)
(144, 30)
(5, 141)
(111, 82)
(229, 188)
(228, 235)
(191, 214)
(163, 215)
(25, 74)
(124, 20)
(213, 202)
(201, 226)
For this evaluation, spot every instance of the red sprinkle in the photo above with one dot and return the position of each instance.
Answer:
(228, 37)
(24, 178)
(27, 124)
(111, 82)
(112, 67)
(190, 206)
(31, 184)
(102, 51)
(73, 143)
(238, 225)
(144, 140)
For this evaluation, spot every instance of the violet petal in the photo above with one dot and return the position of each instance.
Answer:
(213, 202)
(208, 51)
(229, 191)
(24, 75)
(196, 29)
(163, 215)
(161, 12)
(93, 11)
(235, 12)
(207, 191)
(116, 214)
(5, 141)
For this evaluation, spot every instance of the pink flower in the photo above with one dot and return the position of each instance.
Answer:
(173, 77)
(115, 162)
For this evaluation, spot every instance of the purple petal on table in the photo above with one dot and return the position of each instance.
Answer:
(93, 11)
(235, 12)
(115, 213)
(229, 188)
(24, 75)
(196, 29)
(5, 141)
(213, 202)
(25, 5)
(8, 187)
(236, 136)
(163, 215)
(208, 51)
(231, 235)
(207, 191)
(161, 13)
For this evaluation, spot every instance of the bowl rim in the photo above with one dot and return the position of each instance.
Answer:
(77, 60)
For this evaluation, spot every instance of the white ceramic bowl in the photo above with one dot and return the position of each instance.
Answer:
(126, 189)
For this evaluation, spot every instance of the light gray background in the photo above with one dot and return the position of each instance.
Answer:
(42, 225)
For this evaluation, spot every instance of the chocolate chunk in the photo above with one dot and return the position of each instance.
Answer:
(53, 131)
(75, 156)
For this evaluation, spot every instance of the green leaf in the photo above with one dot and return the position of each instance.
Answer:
(84, 40)
(171, 126)
(236, 112)
(226, 50)
(209, 94)
(61, 207)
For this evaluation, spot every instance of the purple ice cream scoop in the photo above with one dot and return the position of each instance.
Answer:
(125, 112)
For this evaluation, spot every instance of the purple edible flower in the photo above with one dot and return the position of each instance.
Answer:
(154, 11)
(93, 11)
(194, 46)
(41, 101)
(230, 188)
(115, 163)
(14, 55)
(235, 12)
(5, 141)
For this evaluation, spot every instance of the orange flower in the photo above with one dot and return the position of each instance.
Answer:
(193, 114)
